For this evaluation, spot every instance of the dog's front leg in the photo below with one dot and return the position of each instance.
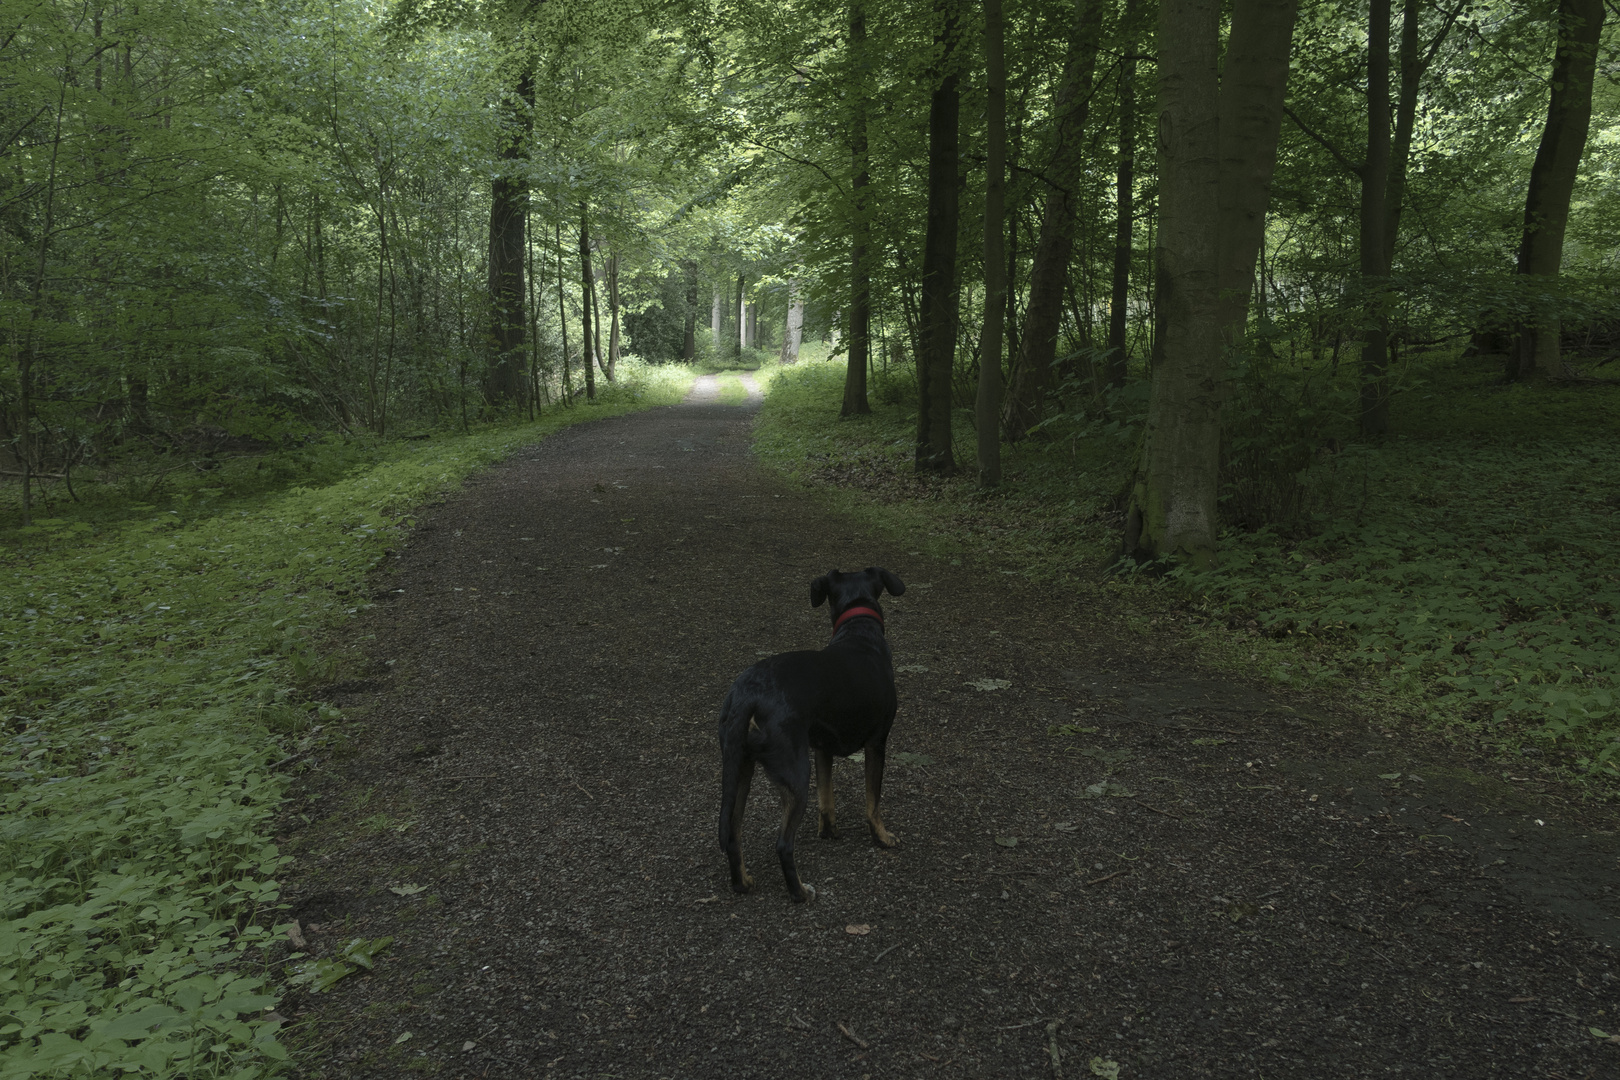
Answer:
(824, 794)
(875, 749)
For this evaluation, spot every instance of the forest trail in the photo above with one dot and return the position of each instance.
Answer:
(1193, 878)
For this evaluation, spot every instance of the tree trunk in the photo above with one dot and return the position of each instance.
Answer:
(793, 333)
(1049, 272)
(938, 317)
(586, 288)
(1374, 196)
(1124, 206)
(596, 327)
(987, 406)
(1254, 78)
(741, 309)
(689, 341)
(860, 275)
(717, 324)
(508, 215)
(1173, 508)
(613, 315)
(1552, 177)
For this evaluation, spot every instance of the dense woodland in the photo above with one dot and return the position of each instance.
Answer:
(1289, 325)
(229, 226)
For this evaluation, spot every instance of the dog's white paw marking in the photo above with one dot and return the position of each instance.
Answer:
(809, 891)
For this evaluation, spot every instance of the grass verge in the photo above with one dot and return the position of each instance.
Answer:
(149, 688)
(1466, 573)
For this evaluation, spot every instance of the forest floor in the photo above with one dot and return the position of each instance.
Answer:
(1111, 863)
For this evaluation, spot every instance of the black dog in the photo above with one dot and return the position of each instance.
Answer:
(835, 701)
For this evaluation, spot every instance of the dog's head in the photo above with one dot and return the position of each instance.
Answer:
(860, 588)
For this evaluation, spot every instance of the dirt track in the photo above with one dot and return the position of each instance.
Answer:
(1200, 879)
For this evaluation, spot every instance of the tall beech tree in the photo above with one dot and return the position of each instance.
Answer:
(987, 406)
(860, 276)
(1049, 273)
(1552, 177)
(508, 220)
(936, 354)
(1218, 134)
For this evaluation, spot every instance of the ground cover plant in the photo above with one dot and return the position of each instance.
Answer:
(1468, 564)
(156, 678)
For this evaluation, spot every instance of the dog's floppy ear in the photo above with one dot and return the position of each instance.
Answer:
(895, 586)
(819, 589)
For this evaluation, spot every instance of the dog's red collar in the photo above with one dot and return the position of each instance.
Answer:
(855, 613)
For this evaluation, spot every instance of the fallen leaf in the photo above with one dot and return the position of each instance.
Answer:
(1520, 1000)
(986, 685)
(911, 667)
(1007, 841)
(709, 900)
(296, 936)
(1389, 776)
(468, 1045)
(403, 1037)
(1108, 1070)
(406, 890)
(858, 929)
(1211, 742)
(1065, 826)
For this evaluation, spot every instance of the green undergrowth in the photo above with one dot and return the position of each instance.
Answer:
(1477, 569)
(1466, 570)
(151, 678)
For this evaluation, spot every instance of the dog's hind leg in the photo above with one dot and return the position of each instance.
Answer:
(875, 750)
(733, 800)
(795, 801)
(824, 795)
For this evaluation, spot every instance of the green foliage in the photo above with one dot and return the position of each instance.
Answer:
(1479, 568)
(1471, 563)
(150, 675)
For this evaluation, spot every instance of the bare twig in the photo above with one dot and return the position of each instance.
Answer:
(1155, 809)
(453, 779)
(852, 1037)
(1107, 877)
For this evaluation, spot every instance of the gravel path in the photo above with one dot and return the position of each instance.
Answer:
(1106, 859)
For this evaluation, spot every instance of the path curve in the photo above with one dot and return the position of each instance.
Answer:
(1193, 879)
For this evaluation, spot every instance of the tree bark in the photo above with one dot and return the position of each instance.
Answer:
(1374, 202)
(613, 315)
(793, 333)
(1173, 507)
(938, 316)
(1049, 272)
(689, 341)
(508, 216)
(717, 324)
(1552, 177)
(1254, 77)
(1124, 206)
(586, 289)
(987, 406)
(860, 275)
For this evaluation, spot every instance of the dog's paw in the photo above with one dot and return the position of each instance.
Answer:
(829, 831)
(743, 884)
(883, 838)
(809, 893)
